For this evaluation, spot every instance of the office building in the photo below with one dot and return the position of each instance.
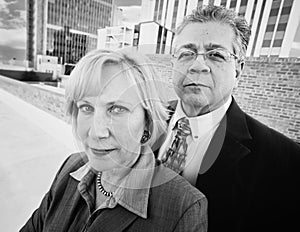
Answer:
(146, 37)
(115, 37)
(66, 29)
(274, 23)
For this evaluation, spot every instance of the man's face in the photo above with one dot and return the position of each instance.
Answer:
(205, 83)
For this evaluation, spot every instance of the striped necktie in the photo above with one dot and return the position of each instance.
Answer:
(175, 157)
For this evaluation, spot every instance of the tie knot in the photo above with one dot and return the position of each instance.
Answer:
(183, 126)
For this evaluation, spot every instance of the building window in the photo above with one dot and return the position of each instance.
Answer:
(164, 39)
(270, 28)
(159, 39)
(156, 10)
(232, 4)
(281, 26)
(259, 22)
(274, 12)
(185, 8)
(288, 2)
(200, 3)
(211, 2)
(253, 13)
(244, 2)
(277, 43)
(223, 2)
(161, 5)
(286, 10)
(266, 43)
(175, 14)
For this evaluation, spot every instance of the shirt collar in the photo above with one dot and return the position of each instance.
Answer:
(202, 124)
(133, 192)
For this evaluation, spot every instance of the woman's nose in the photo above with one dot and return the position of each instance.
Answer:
(199, 65)
(100, 127)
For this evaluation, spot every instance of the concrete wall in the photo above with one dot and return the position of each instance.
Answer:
(50, 101)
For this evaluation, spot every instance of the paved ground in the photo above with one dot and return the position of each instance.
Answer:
(33, 145)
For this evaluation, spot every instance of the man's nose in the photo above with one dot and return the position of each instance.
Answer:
(199, 65)
(100, 126)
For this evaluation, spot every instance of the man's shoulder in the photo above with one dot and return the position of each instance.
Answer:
(267, 139)
(258, 131)
(261, 130)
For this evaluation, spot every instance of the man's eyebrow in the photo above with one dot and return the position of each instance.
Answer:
(190, 46)
(193, 46)
(212, 46)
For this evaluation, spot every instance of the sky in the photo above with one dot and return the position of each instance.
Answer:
(12, 29)
(13, 25)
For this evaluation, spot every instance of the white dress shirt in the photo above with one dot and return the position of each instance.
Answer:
(203, 128)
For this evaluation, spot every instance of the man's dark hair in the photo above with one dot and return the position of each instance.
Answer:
(222, 15)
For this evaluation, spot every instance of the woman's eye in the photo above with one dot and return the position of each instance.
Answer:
(85, 108)
(117, 109)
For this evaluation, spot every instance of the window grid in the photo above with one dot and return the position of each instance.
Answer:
(83, 16)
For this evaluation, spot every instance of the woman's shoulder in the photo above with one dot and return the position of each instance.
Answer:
(175, 203)
(168, 183)
(71, 164)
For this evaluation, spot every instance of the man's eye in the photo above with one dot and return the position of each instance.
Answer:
(185, 55)
(117, 109)
(216, 55)
(85, 108)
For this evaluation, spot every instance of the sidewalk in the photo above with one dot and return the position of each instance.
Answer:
(33, 145)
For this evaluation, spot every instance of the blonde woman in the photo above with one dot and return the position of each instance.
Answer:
(115, 184)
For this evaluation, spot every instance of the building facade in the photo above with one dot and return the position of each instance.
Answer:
(146, 37)
(274, 23)
(115, 37)
(66, 29)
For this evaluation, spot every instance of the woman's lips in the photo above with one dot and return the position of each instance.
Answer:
(101, 151)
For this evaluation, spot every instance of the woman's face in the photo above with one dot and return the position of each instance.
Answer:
(111, 124)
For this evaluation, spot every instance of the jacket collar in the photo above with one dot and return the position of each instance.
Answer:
(227, 146)
(237, 123)
(134, 192)
(235, 119)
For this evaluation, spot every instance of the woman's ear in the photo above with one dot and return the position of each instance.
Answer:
(146, 136)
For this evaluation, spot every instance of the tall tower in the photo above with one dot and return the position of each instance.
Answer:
(66, 29)
(275, 24)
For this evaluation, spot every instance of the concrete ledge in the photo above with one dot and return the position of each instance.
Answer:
(53, 126)
(46, 98)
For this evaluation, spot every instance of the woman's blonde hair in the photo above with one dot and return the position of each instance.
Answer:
(85, 80)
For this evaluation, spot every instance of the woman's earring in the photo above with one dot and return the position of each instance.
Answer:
(146, 136)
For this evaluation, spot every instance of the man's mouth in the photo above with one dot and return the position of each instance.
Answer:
(193, 85)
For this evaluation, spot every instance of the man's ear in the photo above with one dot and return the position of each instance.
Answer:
(239, 68)
(238, 72)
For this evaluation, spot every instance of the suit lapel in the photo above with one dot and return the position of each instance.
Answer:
(113, 220)
(159, 142)
(226, 147)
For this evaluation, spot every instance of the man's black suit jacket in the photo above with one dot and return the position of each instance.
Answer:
(250, 175)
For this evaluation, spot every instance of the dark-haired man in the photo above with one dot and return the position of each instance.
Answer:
(249, 173)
